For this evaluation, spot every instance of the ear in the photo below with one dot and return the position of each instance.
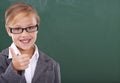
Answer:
(8, 30)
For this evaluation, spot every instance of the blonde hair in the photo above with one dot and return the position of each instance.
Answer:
(20, 7)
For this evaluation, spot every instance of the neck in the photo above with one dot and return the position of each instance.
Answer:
(30, 51)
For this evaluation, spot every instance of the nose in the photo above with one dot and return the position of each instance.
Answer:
(24, 33)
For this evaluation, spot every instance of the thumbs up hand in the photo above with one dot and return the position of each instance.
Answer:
(20, 62)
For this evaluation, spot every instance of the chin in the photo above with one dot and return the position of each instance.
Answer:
(25, 48)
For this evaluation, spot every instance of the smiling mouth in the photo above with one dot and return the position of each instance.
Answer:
(25, 41)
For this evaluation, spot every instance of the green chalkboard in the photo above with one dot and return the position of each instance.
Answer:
(82, 35)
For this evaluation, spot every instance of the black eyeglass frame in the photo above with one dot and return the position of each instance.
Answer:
(26, 29)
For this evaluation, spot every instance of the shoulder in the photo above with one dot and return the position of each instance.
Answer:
(44, 57)
(4, 52)
(48, 63)
(4, 61)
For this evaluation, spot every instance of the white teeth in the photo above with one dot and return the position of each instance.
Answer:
(25, 41)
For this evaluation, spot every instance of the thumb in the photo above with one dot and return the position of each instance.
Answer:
(12, 52)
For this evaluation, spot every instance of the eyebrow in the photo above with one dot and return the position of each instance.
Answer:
(18, 26)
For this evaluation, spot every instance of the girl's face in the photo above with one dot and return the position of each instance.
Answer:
(24, 40)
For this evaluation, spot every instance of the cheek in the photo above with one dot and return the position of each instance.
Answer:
(14, 38)
(35, 36)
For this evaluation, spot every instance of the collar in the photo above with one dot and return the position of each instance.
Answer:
(17, 52)
(36, 53)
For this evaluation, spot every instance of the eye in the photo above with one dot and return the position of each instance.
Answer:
(31, 28)
(16, 29)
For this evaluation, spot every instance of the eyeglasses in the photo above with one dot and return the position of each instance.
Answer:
(19, 30)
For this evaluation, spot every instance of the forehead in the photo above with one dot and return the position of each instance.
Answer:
(23, 19)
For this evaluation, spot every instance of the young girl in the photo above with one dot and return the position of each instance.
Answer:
(23, 62)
